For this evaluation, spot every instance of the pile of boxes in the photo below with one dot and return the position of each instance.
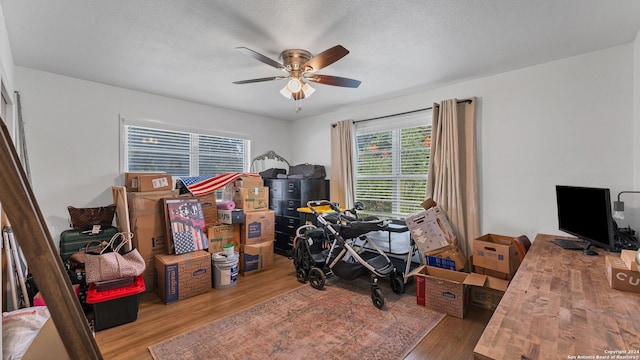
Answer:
(256, 221)
(174, 277)
(444, 284)
(623, 271)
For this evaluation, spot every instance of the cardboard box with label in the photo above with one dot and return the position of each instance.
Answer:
(496, 252)
(235, 216)
(258, 227)
(486, 291)
(179, 277)
(430, 228)
(222, 234)
(146, 216)
(209, 208)
(251, 199)
(255, 258)
(449, 257)
(619, 276)
(148, 181)
(442, 290)
(248, 182)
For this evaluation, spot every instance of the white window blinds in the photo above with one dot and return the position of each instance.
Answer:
(392, 164)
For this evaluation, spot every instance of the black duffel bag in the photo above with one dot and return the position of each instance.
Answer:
(307, 171)
(272, 173)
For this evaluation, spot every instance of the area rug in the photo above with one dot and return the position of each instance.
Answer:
(338, 322)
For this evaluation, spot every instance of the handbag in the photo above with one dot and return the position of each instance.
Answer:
(109, 264)
(85, 218)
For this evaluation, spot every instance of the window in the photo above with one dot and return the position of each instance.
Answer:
(183, 153)
(392, 160)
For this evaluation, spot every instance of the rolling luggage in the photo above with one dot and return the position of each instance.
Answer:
(72, 241)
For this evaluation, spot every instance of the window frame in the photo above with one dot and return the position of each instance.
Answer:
(164, 126)
(399, 122)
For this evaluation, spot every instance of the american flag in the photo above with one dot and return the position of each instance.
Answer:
(206, 184)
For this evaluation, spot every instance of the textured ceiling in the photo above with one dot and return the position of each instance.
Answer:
(185, 49)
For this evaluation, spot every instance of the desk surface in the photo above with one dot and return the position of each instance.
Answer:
(559, 306)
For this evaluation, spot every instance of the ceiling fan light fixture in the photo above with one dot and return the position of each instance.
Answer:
(294, 85)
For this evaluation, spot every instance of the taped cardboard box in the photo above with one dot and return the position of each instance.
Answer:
(255, 258)
(496, 252)
(222, 234)
(442, 290)
(148, 181)
(248, 182)
(258, 227)
(430, 228)
(180, 277)
(619, 276)
(251, 199)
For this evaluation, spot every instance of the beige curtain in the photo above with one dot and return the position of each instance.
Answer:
(342, 189)
(453, 176)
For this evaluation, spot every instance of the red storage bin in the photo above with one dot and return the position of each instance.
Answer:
(115, 306)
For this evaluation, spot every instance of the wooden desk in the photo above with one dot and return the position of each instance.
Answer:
(559, 306)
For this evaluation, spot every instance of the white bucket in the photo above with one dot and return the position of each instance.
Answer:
(225, 270)
(228, 249)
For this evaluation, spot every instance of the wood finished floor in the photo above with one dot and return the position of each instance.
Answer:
(452, 338)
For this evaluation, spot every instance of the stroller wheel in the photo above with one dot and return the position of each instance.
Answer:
(317, 278)
(377, 298)
(397, 283)
(301, 275)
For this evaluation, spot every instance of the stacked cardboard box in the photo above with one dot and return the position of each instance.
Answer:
(622, 272)
(146, 216)
(496, 255)
(147, 181)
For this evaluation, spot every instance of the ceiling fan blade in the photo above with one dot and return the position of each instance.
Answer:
(260, 57)
(325, 58)
(260, 80)
(334, 80)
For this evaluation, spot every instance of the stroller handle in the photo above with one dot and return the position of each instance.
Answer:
(316, 203)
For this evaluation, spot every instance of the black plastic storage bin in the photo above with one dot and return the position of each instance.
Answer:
(115, 306)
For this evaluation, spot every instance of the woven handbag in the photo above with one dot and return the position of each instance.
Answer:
(111, 265)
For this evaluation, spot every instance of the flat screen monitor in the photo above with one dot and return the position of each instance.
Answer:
(585, 212)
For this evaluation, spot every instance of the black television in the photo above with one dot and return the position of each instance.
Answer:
(585, 212)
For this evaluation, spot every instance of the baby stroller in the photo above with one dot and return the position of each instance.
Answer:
(329, 249)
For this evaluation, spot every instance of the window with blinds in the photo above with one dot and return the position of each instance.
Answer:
(392, 164)
(183, 153)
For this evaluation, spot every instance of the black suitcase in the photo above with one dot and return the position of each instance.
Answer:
(72, 241)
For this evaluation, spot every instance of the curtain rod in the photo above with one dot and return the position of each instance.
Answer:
(408, 112)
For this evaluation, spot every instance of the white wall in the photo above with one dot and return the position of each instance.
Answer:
(6, 72)
(636, 112)
(72, 131)
(564, 122)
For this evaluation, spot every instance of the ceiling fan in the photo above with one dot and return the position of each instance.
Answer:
(300, 67)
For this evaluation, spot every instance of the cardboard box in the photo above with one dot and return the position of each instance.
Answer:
(620, 277)
(486, 291)
(489, 272)
(235, 216)
(442, 290)
(179, 277)
(248, 182)
(251, 199)
(255, 258)
(629, 258)
(222, 234)
(258, 227)
(449, 257)
(496, 252)
(209, 208)
(430, 228)
(146, 216)
(46, 343)
(148, 181)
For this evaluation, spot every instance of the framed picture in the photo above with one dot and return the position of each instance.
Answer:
(185, 225)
